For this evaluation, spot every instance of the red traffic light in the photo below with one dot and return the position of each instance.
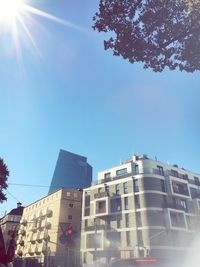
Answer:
(69, 232)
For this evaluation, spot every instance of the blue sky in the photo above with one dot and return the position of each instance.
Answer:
(71, 94)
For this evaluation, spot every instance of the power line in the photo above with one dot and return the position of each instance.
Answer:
(35, 185)
(31, 185)
(12, 195)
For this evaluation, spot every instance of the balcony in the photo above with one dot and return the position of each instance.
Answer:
(21, 243)
(31, 250)
(22, 232)
(101, 195)
(34, 229)
(176, 206)
(102, 207)
(33, 240)
(179, 188)
(49, 212)
(47, 225)
(23, 222)
(37, 250)
(181, 191)
(94, 228)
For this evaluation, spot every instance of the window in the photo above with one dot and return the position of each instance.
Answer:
(190, 222)
(174, 173)
(11, 218)
(101, 206)
(84, 257)
(163, 186)
(138, 219)
(135, 185)
(107, 175)
(185, 177)
(116, 205)
(140, 238)
(121, 171)
(136, 169)
(87, 200)
(92, 242)
(118, 223)
(183, 204)
(71, 205)
(69, 217)
(126, 203)
(87, 211)
(177, 219)
(126, 188)
(114, 237)
(127, 219)
(117, 187)
(195, 193)
(196, 181)
(108, 223)
(100, 190)
(75, 195)
(68, 194)
(137, 201)
(160, 170)
(106, 188)
(180, 188)
(128, 239)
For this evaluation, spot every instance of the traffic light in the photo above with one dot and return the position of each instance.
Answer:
(69, 231)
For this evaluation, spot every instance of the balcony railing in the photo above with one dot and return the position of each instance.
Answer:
(101, 195)
(181, 191)
(176, 206)
(93, 228)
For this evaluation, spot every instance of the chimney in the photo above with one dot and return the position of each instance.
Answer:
(19, 204)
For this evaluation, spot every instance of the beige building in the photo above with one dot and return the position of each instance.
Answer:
(44, 225)
(141, 208)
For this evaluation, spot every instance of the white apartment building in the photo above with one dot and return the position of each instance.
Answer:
(141, 208)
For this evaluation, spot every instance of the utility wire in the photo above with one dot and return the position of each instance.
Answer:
(31, 185)
(12, 195)
(38, 185)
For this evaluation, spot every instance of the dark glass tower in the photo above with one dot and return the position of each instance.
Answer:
(71, 171)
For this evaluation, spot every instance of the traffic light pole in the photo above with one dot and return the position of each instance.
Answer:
(46, 251)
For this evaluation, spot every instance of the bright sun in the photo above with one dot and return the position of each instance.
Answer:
(10, 10)
(18, 18)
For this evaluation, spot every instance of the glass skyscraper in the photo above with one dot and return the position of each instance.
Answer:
(71, 171)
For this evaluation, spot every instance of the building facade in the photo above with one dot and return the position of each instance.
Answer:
(10, 223)
(44, 227)
(71, 171)
(141, 208)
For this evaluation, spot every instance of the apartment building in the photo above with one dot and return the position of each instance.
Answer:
(141, 208)
(45, 224)
(9, 224)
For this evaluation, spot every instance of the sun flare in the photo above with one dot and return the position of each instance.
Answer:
(18, 19)
(10, 10)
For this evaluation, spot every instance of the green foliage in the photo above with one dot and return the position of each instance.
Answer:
(158, 33)
(4, 173)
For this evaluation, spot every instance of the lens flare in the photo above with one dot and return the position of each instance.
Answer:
(10, 10)
(18, 18)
